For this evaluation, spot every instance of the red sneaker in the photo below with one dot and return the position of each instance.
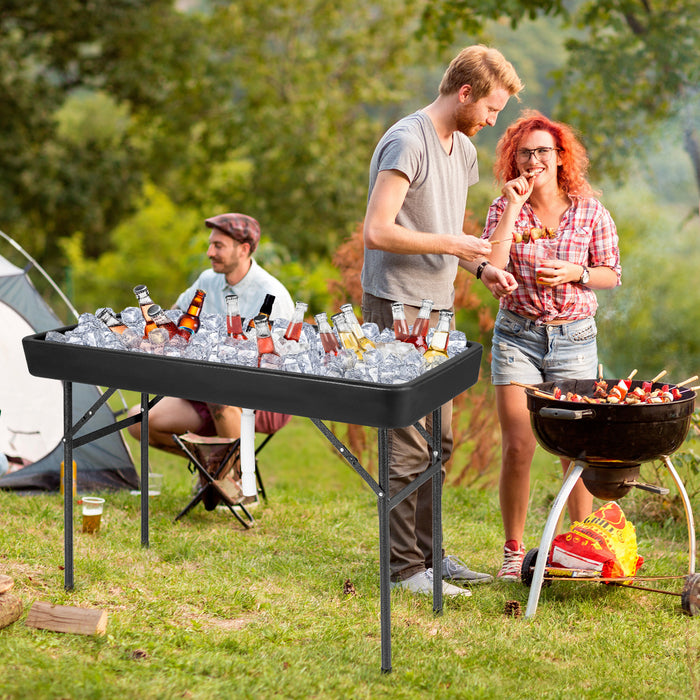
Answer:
(512, 561)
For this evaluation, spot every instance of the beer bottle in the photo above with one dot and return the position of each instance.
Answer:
(329, 341)
(111, 321)
(162, 320)
(188, 324)
(266, 345)
(234, 325)
(437, 350)
(144, 299)
(265, 310)
(347, 338)
(362, 340)
(293, 331)
(419, 332)
(400, 323)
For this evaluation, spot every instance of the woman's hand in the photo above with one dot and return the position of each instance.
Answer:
(552, 273)
(518, 191)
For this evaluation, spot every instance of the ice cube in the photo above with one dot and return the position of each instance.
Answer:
(270, 361)
(456, 343)
(132, 316)
(159, 336)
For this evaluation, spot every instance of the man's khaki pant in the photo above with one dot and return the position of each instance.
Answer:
(411, 524)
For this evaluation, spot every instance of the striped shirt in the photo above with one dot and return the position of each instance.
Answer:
(586, 236)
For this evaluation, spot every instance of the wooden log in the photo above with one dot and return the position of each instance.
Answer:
(63, 618)
(10, 609)
(5, 583)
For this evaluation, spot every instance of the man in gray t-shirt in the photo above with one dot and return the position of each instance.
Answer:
(420, 174)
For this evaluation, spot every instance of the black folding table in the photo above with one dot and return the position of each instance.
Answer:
(383, 406)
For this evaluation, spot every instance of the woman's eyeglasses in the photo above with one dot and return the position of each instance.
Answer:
(543, 154)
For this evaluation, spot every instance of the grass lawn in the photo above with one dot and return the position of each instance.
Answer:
(214, 611)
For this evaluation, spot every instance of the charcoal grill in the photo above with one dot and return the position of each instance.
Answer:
(607, 443)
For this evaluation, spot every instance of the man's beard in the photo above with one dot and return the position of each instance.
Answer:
(464, 120)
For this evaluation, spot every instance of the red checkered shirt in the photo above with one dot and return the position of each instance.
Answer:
(586, 236)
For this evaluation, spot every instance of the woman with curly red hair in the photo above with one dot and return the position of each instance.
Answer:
(560, 244)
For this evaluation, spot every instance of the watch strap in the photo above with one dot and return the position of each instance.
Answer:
(480, 269)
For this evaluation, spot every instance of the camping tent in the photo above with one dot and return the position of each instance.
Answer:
(31, 408)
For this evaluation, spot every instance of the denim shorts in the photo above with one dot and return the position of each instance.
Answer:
(529, 353)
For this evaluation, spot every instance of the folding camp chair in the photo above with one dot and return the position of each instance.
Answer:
(217, 462)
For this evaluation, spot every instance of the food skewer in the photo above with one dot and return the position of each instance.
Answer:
(600, 372)
(536, 390)
(662, 373)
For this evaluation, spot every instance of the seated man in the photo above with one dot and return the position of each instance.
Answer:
(232, 242)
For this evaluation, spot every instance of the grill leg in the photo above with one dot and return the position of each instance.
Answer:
(548, 535)
(688, 514)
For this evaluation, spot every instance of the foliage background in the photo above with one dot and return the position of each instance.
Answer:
(125, 124)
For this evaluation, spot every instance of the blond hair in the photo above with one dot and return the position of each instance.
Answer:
(484, 68)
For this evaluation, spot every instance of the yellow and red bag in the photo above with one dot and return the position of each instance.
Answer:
(605, 542)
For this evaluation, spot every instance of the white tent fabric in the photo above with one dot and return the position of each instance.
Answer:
(31, 408)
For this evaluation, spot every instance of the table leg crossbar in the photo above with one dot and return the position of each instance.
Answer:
(385, 503)
(70, 442)
(380, 487)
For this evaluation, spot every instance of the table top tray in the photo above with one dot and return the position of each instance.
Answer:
(313, 396)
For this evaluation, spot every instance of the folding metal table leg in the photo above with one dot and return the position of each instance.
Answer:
(385, 503)
(384, 508)
(548, 535)
(144, 470)
(68, 581)
(435, 445)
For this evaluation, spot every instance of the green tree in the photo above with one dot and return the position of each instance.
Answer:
(309, 84)
(160, 245)
(633, 66)
(66, 163)
(633, 69)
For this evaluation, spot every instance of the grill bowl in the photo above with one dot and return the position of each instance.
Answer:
(613, 436)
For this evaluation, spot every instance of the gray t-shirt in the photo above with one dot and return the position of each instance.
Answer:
(435, 203)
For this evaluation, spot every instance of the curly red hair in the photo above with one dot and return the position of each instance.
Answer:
(571, 175)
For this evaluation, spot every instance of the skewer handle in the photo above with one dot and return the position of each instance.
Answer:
(524, 386)
(632, 373)
(536, 390)
(687, 381)
(662, 373)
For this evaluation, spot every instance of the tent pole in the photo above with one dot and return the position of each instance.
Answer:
(18, 247)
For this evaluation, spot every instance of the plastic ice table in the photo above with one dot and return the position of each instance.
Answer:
(383, 406)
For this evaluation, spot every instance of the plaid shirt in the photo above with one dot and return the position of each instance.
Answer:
(586, 236)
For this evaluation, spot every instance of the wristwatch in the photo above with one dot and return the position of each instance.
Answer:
(585, 276)
(480, 269)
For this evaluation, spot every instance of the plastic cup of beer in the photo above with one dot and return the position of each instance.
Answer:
(155, 484)
(92, 513)
(545, 249)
